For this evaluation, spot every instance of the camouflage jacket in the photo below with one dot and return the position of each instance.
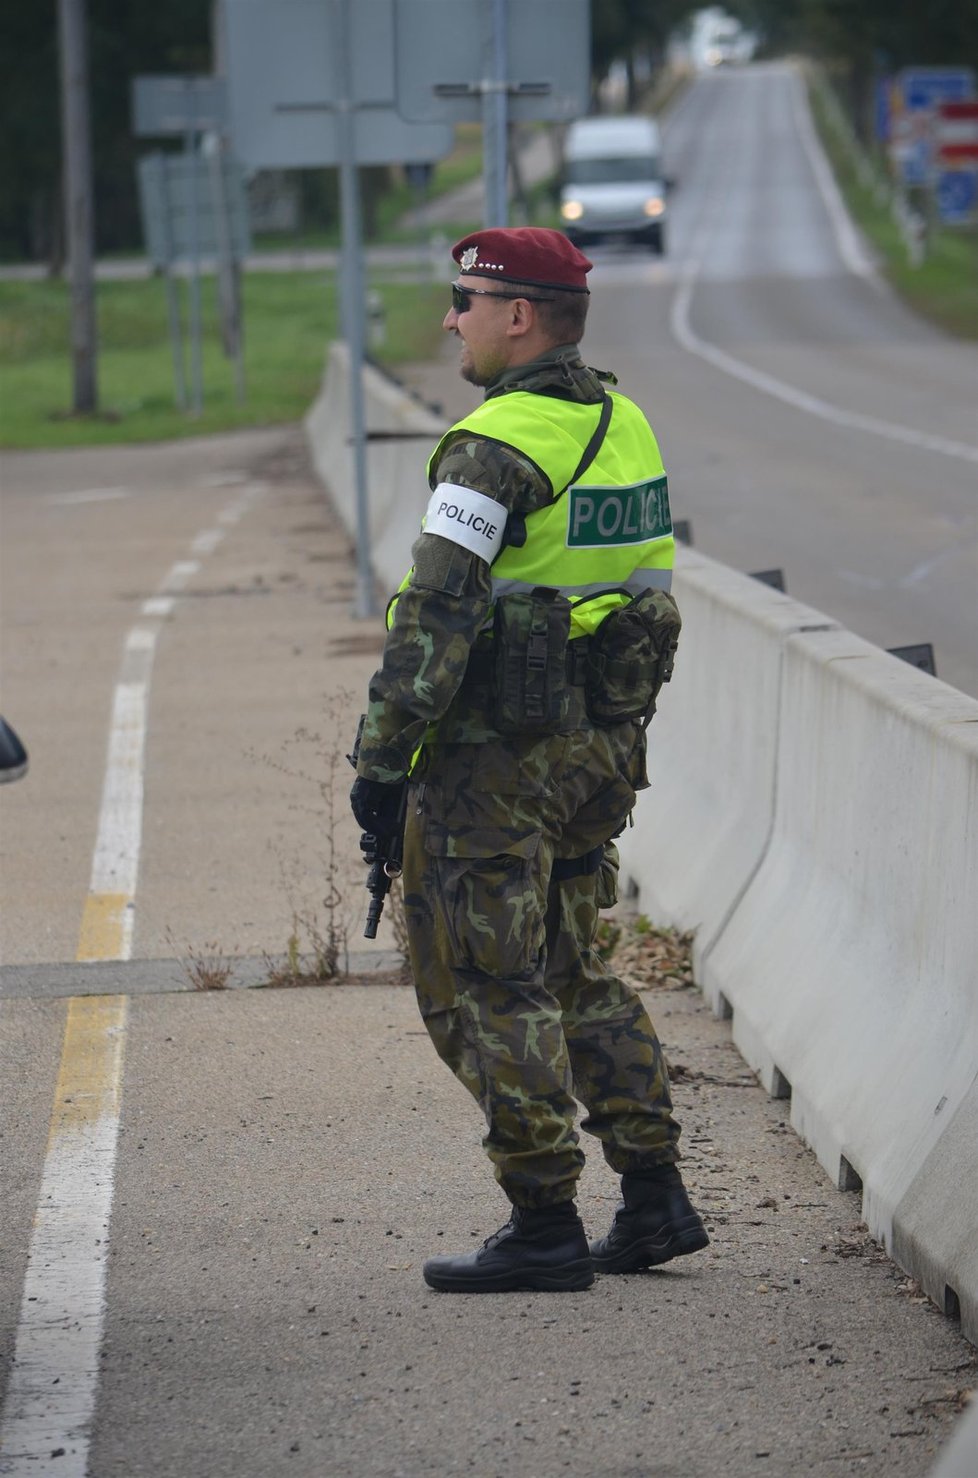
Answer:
(446, 602)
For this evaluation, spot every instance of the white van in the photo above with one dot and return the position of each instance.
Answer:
(613, 183)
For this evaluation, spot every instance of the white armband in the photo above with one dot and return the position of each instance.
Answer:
(468, 518)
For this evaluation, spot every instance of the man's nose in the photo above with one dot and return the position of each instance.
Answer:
(450, 320)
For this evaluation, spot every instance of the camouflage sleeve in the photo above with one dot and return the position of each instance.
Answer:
(440, 613)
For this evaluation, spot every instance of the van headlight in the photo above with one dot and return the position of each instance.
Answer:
(572, 210)
(654, 206)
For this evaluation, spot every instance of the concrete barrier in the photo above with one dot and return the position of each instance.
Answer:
(814, 817)
(398, 490)
(704, 828)
(959, 1457)
(850, 961)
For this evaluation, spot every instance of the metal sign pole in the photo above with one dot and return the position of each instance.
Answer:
(172, 300)
(196, 374)
(79, 204)
(352, 304)
(494, 111)
(227, 267)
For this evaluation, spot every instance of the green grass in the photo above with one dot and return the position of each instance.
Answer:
(289, 320)
(944, 288)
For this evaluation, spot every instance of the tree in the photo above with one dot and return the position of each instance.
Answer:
(30, 143)
(630, 31)
(126, 38)
(863, 40)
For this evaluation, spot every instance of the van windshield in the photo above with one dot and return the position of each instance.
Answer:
(612, 171)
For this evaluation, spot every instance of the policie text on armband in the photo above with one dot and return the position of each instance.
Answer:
(468, 518)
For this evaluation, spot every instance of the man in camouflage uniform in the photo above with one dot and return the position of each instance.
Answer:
(507, 850)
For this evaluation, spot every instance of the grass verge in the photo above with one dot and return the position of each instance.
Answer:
(944, 287)
(289, 319)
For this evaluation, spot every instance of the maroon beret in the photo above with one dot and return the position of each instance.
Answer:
(531, 254)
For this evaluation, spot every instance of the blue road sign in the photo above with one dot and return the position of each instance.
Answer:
(920, 91)
(924, 87)
(957, 196)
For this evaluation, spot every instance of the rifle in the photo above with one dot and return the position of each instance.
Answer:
(385, 857)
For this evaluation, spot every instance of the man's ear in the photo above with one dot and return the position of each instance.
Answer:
(522, 318)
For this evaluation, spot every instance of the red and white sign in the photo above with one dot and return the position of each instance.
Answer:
(956, 132)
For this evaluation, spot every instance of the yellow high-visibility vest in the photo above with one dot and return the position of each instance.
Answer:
(604, 538)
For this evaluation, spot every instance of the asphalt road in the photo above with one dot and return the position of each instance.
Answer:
(808, 421)
(210, 1250)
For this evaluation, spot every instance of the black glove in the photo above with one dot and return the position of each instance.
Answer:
(377, 805)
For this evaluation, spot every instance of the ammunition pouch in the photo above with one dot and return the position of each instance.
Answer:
(530, 635)
(629, 658)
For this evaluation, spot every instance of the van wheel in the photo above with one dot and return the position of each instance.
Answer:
(656, 240)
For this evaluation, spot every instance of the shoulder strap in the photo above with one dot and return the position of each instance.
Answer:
(594, 445)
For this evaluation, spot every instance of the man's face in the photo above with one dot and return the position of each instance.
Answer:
(486, 347)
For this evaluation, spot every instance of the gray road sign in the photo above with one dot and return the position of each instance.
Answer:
(280, 60)
(166, 199)
(446, 63)
(164, 105)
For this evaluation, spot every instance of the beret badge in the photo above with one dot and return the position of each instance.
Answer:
(468, 258)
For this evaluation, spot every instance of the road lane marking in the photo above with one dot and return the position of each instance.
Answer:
(50, 1400)
(813, 405)
(108, 917)
(207, 542)
(229, 478)
(788, 394)
(87, 495)
(158, 605)
(106, 927)
(850, 243)
(107, 920)
(182, 572)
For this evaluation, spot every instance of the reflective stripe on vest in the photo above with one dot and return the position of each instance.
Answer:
(637, 581)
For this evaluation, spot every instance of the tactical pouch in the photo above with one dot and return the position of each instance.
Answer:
(629, 658)
(530, 635)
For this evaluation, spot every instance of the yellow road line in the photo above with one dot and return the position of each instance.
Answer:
(104, 927)
(50, 1397)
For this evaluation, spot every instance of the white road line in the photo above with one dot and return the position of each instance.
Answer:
(109, 916)
(850, 243)
(227, 479)
(240, 506)
(813, 405)
(179, 576)
(87, 495)
(46, 1420)
(158, 605)
(108, 921)
(207, 541)
(45, 1426)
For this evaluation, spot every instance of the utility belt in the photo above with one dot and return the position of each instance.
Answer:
(481, 670)
(531, 678)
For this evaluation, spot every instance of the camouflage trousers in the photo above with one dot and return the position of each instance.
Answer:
(501, 931)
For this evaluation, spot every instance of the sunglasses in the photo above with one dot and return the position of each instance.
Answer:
(461, 295)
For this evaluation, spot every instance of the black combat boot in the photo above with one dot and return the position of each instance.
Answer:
(542, 1249)
(655, 1223)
